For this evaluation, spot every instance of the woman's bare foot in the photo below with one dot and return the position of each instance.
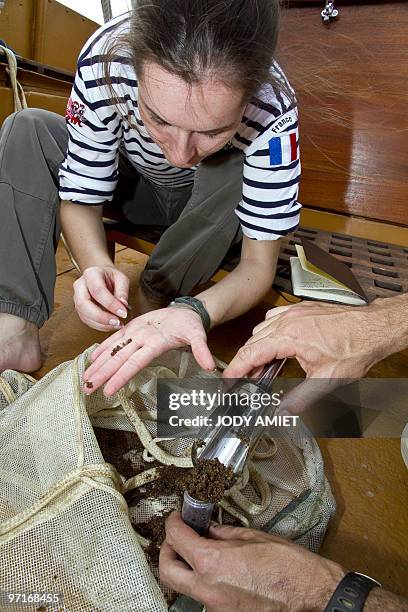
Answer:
(19, 345)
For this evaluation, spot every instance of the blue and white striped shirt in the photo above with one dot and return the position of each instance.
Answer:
(268, 136)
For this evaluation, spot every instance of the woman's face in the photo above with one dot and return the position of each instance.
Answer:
(189, 123)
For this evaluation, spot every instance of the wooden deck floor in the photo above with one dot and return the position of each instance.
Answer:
(368, 477)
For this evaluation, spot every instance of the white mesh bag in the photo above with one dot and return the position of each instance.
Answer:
(65, 526)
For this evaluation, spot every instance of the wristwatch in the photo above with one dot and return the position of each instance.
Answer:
(195, 305)
(351, 593)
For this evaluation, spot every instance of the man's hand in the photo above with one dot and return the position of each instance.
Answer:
(328, 341)
(241, 569)
(101, 297)
(142, 340)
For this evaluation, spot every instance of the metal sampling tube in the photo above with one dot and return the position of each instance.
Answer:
(222, 443)
(197, 514)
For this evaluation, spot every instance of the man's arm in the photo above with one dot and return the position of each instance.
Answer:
(328, 341)
(246, 285)
(239, 569)
(380, 600)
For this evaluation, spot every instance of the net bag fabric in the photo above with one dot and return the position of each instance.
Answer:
(65, 526)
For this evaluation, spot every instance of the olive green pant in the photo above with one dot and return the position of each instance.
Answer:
(200, 221)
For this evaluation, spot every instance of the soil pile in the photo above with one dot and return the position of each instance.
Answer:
(115, 444)
(206, 481)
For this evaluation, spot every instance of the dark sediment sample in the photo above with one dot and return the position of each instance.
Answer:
(119, 347)
(153, 530)
(114, 444)
(206, 481)
(209, 479)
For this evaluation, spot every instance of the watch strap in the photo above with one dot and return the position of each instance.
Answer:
(351, 593)
(196, 305)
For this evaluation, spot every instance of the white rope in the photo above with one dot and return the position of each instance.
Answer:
(259, 483)
(20, 101)
(7, 391)
(232, 510)
(141, 479)
(270, 451)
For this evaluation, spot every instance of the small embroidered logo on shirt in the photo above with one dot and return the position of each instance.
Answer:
(283, 149)
(75, 112)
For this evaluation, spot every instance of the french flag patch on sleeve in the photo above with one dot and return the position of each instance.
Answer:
(283, 149)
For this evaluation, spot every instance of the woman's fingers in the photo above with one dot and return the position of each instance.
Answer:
(121, 287)
(94, 316)
(135, 362)
(97, 286)
(114, 344)
(141, 341)
(97, 326)
(90, 313)
(107, 343)
(102, 296)
(109, 362)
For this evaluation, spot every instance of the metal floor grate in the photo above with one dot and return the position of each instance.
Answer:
(380, 267)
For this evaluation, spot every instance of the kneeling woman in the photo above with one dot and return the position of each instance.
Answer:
(178, 117)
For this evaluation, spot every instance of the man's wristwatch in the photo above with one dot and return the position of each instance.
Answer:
(195, 305)
(351, 593)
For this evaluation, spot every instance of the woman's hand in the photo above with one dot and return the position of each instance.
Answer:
(244, 569)
(143, 339)
(101, 297)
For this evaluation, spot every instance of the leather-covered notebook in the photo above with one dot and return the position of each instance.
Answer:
(321, 276)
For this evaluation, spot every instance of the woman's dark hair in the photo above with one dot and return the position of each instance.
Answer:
(192, 39)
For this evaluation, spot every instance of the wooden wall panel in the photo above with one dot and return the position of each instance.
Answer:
(16, 25)
(34, 81)
(6, 103)
(50, 102)
(60, 33)
(45, 31)
(35, 99)
(352, 83)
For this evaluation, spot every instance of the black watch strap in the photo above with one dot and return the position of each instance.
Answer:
(351, 593)
(197, 306)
